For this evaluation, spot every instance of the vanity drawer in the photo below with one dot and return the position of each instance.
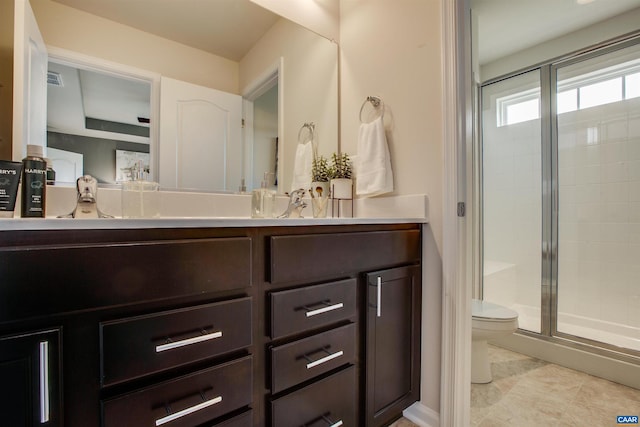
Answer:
(186, 401)
(137, 346)
(301, 309)
(86, 276)
(334, 398)
(324, 256)
(243, 420)
(309, 357)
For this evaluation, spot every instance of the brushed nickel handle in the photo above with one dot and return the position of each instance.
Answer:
(331, 307)
(188, 341)
(44, 382)
(330, 422)
(324, 359)
(189, 410)
(379, 290)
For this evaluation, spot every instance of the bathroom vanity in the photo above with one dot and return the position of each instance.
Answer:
(211, 325)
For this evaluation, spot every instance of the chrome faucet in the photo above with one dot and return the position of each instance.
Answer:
(296, 204)
(87, 199)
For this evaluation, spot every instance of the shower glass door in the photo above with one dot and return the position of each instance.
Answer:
(512, 196)
(598, 201)
(560, 168)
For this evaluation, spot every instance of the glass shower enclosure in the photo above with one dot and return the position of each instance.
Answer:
(560, 166)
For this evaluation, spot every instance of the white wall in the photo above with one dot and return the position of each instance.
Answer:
(68, 28)
(392, 49)
(309, 86)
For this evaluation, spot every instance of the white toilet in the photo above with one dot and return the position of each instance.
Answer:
(488, 321)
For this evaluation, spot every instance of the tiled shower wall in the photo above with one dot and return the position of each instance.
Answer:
(512, 212)
(599, 213)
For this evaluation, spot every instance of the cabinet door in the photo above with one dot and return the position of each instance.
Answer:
(392, 343)
(30, 372)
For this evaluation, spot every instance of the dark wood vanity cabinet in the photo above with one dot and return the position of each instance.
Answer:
(336, 340)
(228, 327)
(392, 342)
(30, 371)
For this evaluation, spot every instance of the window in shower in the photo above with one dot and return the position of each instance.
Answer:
(561, 197)
(512, 196)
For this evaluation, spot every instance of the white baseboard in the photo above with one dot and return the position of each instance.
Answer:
(421, 415)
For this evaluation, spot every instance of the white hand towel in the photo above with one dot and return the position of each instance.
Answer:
(302, 166)
(373, 162)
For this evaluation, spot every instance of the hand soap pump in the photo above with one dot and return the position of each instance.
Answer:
(263, 199)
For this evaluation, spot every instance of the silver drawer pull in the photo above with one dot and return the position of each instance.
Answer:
(325, 359)
(188, 411)
(331, 423)
(44, 382)
(188, 341)
(325, 309)
(379, 292)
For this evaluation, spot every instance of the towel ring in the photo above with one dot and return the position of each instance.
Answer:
(376, 101)
(312, 128)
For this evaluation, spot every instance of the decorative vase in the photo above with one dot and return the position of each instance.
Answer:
(319, 206)
(320, 189)
(342, 188)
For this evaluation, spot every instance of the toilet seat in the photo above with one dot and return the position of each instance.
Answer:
(489, 312)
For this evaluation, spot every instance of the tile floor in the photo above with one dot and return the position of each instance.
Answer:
(531, 392)
(528, 392)
(403, 422)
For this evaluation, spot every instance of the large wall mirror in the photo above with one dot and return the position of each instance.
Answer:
(102, 122)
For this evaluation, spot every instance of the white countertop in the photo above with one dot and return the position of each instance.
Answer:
(196, 210)
(16, 224)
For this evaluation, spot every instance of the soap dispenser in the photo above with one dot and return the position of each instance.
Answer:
(263, 199)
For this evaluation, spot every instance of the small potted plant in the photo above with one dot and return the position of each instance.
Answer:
(319, 191)
(320, 176)
(341, 171)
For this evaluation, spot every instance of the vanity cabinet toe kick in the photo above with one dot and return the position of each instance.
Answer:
(260, 327)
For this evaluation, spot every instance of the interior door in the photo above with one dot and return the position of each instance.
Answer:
(200, 137)
(30, 60)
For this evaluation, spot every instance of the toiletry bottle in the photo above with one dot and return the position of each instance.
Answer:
(34, 183)
(263, 200)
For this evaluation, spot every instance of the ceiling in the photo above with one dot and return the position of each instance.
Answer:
(228, 28)
(90, 94)
(507, 26)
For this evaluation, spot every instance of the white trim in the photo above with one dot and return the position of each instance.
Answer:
(264, 82)
(271, 76)
(422, 415)
(455, 386)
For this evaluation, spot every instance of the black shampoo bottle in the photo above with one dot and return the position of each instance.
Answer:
(34, 183)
